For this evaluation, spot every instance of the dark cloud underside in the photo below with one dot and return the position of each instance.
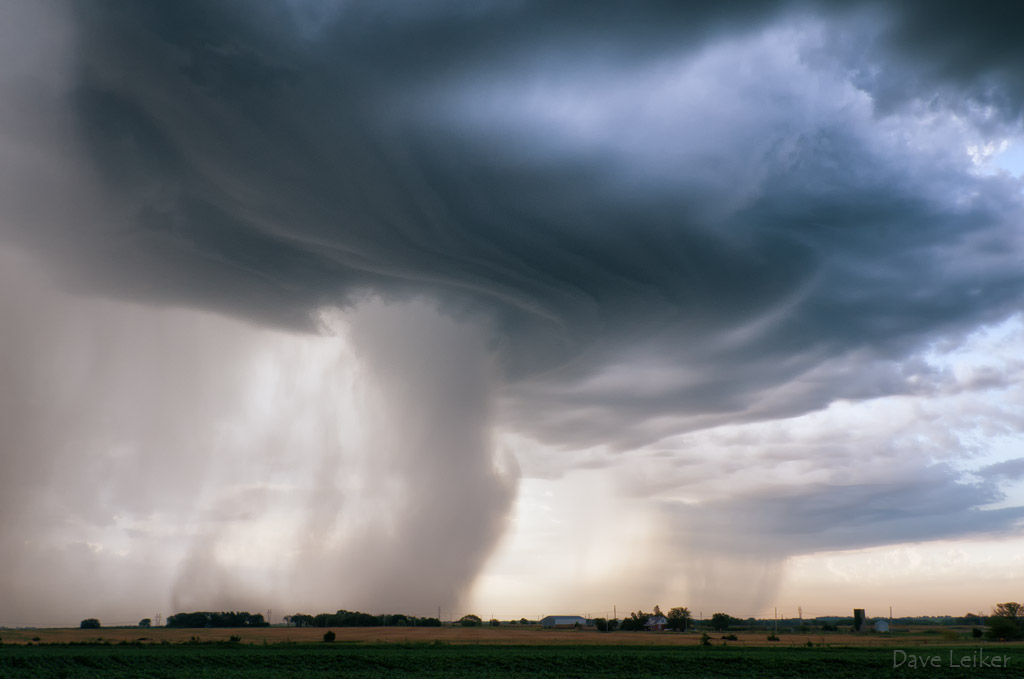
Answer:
(665, 216)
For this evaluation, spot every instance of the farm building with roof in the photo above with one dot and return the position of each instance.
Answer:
(656, 623)
(564, 621)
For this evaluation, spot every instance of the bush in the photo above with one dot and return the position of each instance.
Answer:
(234, 638)
(705, 640)
(772, 637)
(90, 623)
(977, 633)
(730, 637)
(329, 635)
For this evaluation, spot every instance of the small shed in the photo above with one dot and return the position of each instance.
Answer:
(563, 621)
(881, 626)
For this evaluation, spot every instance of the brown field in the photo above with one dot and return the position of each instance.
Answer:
(462, 635)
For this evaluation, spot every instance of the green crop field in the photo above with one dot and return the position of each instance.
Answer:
(225, 661)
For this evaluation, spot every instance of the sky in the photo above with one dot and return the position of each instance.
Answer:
(510, 307)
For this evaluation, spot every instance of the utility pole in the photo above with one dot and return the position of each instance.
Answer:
(776, 621)
(268, 616)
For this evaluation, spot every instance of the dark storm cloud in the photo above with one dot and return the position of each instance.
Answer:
(267, 167)
(669, 216)
(953, 55)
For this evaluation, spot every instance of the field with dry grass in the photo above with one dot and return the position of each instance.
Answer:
(473, 635)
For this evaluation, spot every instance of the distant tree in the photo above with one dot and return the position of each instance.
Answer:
(495, 622)
(90, 623)
(601, 624)
(679, 618)
(524, 621)
(1004, 628)
(657, 610)
(329, 635)
(254, 620)
(470, 620)
(635, 622)
(1006, 621)
(1011, 609)
(720, 621)
(302, 620)
(145, 623)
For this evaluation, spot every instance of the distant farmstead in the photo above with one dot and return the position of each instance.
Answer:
(656, 623)
(563, 621)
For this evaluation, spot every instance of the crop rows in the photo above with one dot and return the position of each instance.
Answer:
(226, 661)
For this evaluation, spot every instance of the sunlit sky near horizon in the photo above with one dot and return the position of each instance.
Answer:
(513, 308)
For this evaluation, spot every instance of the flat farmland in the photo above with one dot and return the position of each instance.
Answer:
(515, 636)
(538, 661)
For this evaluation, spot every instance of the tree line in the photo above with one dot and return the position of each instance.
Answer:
(345, 618)
(218, 619)
(1005, 622)
(678, 619)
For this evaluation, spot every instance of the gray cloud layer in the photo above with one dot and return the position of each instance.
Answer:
(667, 217)
(265, 171)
